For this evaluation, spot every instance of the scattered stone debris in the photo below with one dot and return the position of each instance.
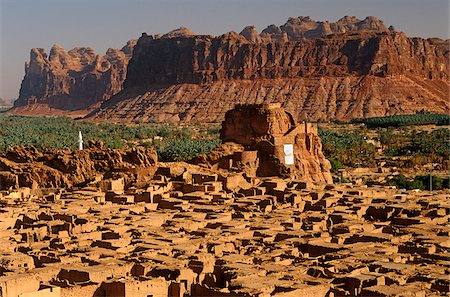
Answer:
(28, 167)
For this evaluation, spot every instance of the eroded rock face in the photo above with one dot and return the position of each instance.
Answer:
(274, 144)
(51, 168)
(180, 32)
(251, 34)
(321, 70)
(343, 76)
(206, 59)
(74, 79)
(250, 124)
(304, 27)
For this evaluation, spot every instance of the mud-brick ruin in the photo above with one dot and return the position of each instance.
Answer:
(251, 218)
(275, 144)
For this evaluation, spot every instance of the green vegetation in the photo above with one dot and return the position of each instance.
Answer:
(405, 120)
(176, 143)
(172, 143)
(184, 150)
(421, 182)
(346, 149)
(60, 133)
(423, 146)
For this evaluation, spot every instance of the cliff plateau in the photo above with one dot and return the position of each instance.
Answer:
(341, 76)
(320, 70)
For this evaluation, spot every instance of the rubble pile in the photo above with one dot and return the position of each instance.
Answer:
(52, 168)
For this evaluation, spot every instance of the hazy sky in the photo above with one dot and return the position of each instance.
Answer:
(101, 24)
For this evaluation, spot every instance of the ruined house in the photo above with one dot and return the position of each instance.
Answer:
(273, 144)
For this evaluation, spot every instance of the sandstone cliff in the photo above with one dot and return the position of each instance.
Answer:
(204, 59)
(321, 70)
(304, 27)
(199, 78)
(74, 79)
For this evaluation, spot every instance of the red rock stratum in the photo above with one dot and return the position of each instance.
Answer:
(321, 70)
(71, 80)
(199, 78)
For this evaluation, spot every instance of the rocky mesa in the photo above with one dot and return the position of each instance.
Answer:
(360, 70)
(317, 70)
(71, 80)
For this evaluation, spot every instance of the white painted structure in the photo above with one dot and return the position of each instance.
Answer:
(80, 141)
(289, 154)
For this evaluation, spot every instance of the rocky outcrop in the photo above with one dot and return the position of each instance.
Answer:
(316, 98)
(304, 27)
(341, 76)
(263, 140)
(251, 34)
(74, 79)
(51, 168)
(180, 32)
